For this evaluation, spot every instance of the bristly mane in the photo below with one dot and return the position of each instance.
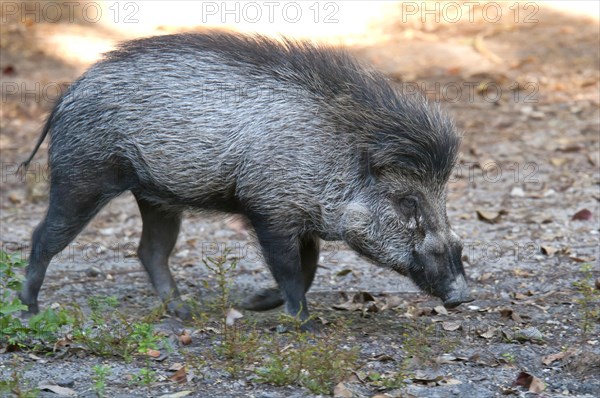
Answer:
(397, 130)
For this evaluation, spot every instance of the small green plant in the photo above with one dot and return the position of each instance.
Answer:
(99, 378)
(292, 358)
(589, 302)
(423, 343)
(145, 336)
(388, 380)
(41, 328)
(300, 358)
(12, 329)
(145, 377)
(238, 344)
(109, 332)
(15, 386)
(508, 357)
(222, 269)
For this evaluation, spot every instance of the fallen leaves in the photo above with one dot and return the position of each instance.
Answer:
(366, 303)
(548, 359)
(441, 310)
(180, 376)
(153, 353)
(341, 391)
(451, 326)
(432, 379)
(179, 394)
(232, 316)
(582, 215)
(58, 390)
(488, 333)
(531, 334)
(532, 383)
(491, 217)
(548, 250)
(509, 313)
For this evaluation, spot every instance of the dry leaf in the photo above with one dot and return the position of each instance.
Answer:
(548, 359)
(441, 310)
(344, 272)
(448, 359)
(362, 301)
(176, 366)
(422, 376)
(532, 383)
(153, 353)
(179, 394)
(548, 250)
(509, 313)
(522, 273)
(232, 316)
(485, 276)
(347, 306)
(449, 382)
(8, 70)
(489, 333)
(62, 391)
(451, 325)
(179, 376)
(392, 302)
(528, 334)
(582, 259)
(558, 161)
(582, 215)
(424, 311)
(341, 391)
(521, 296)
(381, 358)
(490, 217)
(362, 297)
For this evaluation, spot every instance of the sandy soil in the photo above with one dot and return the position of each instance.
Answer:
(526, 98)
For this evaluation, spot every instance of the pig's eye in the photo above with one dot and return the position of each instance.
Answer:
(408, 205)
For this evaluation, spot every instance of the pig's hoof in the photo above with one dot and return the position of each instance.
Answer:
(309, 326)
(265, 300)
(31, 310)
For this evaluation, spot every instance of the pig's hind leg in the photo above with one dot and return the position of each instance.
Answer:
(73, 203)
(159, 235)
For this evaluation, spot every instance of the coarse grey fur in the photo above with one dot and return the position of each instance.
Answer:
(301, 139)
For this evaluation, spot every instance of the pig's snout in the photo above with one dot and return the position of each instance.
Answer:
(458, 293)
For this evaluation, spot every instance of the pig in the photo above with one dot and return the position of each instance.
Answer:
(301, 139)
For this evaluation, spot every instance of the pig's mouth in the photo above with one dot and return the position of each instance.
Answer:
(457, 294)
(452, 294)
(455, 302)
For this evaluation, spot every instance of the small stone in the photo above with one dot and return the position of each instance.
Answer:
(537, 115)
(92, 272)
(517, 192)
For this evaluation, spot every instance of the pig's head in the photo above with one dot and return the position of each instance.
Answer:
(407, 230)
(397, 218)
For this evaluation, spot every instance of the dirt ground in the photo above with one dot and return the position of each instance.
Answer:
(525, 95)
